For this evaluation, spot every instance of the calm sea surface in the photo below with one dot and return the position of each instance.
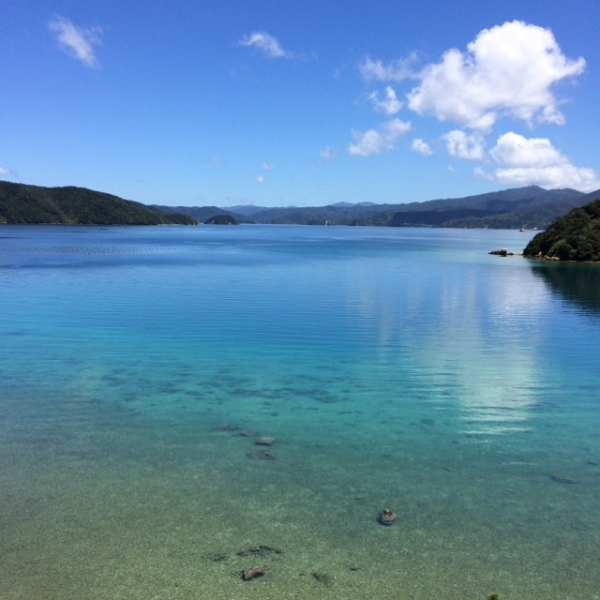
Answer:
(396, 368)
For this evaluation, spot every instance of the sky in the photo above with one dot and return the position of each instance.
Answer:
(299, 102)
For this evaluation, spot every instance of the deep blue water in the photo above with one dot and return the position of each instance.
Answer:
(400, 368)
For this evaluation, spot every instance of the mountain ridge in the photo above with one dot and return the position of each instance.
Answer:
(530, 207)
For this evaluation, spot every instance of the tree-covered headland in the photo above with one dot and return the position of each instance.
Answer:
(30, 204)
(573, 237)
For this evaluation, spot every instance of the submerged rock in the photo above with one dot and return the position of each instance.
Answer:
(265, 441)
(252, 573)
(322, 577)
(387, 517)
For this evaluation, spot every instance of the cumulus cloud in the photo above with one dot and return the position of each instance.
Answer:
(266, 43)
(397, 70)
(377, 141)
(529, 161)
(421, 147)
(77, 41)
(508, 70)
(389, 105)
(463, 145)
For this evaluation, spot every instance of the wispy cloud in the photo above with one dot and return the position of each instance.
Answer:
(260, 178)
(266, 43)
(7, 172)
(421, 147)
(389, 104)
(376, 141)
(77, 41)
(396, 70)
(327, 154)
(528, 161)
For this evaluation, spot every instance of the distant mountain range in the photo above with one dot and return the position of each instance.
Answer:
(527, 207)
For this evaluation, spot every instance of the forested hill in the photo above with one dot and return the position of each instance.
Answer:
(31, 204)
(573, 237)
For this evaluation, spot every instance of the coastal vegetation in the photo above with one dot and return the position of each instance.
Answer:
(222, 220)
(572, 237)
(30, 204)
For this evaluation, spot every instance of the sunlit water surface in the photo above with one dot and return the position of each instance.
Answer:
(396, 368)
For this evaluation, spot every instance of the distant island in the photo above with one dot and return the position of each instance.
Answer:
(30, 204)
(528, 207)
(572, 237)
(222, 220)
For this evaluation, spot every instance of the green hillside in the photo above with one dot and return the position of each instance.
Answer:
(30, 204)
(574, 237)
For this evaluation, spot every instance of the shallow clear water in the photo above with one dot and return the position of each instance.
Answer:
(400, 368)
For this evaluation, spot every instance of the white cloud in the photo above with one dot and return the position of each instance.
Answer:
(327, 154)
(479, 172)
(422, 147)
(376, 141)
(528, 161)
(8, 173)
(76, 41)
(507, 71)
(266, 43)
(515, 151)
(390, 104)
(267, 166)
(260, 179)
(465, 146)
(397, 70)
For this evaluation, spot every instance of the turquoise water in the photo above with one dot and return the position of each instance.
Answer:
(395, 368)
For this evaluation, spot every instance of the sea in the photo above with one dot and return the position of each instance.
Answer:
(180, 406)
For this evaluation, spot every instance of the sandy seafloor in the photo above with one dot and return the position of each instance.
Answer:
(103, 503)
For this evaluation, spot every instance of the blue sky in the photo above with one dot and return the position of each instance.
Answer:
(303, 103)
